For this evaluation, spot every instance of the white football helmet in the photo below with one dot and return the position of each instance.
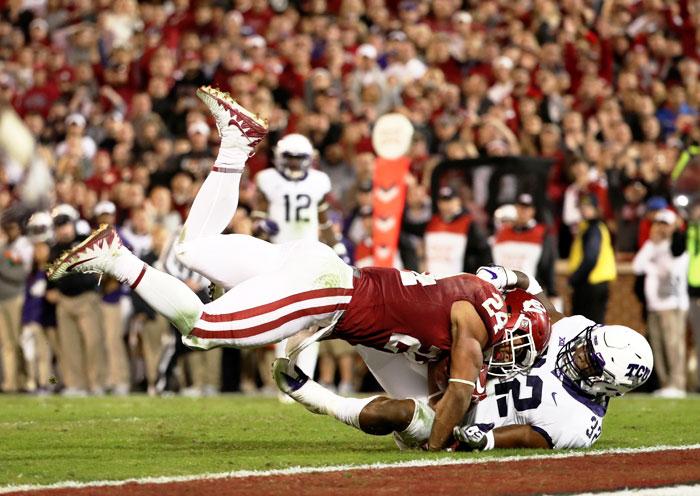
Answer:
(606, 360)
(293, 156)
(40, 228)
(65, 211)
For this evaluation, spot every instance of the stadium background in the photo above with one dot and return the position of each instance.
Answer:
(107, 90)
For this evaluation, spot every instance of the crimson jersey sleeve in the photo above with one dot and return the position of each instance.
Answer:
(405, 312)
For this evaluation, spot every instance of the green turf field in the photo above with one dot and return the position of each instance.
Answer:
(44, 440)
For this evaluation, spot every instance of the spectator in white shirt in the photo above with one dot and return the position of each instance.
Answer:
(666, 291)
(75, 138)
(137, 231)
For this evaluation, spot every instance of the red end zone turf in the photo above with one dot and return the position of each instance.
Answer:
(546, 475)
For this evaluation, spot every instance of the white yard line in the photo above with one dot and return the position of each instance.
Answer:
(693, 490)
(345, 468)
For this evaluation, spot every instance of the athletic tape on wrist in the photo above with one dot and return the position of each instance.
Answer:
(534, 286)
(490, 441)
(511, 278)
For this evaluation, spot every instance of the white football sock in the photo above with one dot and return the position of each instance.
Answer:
(166, 294)
(320, 400)
(214, 205)
(307, 359)
(231, 157)
(127, 267)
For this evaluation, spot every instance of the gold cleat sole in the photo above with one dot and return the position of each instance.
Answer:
(59, 267)
(210, 95)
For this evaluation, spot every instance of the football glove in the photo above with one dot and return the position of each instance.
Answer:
(471, 437)
(265, 228)
(501, 277)
(340, 250)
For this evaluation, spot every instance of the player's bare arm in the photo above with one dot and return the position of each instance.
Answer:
(468, 339)
(325, 225)
(262, 205)
(525, 283)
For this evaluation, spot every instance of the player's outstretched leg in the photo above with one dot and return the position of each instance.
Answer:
(201, 247)
(409, 420)
(102, 252)
(240, 131)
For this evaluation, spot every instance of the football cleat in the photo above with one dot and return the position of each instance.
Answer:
(94, 255)
(238, 127)
(288, 379)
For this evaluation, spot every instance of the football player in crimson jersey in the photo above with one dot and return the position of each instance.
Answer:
(275, 291)
(425, 377)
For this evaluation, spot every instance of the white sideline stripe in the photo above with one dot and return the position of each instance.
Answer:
(344, 468)
(693, 490)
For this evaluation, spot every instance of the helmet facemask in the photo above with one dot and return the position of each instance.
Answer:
(293, 156)
(294, 166)
(579, 362)
(516, 353)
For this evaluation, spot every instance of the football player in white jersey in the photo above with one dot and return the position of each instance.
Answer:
(293, 195)
(561, 401)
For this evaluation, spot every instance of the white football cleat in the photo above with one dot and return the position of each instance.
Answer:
(291, 380)
(238, 127)
(289, 377)
(95, 255)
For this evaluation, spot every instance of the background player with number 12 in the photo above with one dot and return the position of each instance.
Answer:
(293, 196)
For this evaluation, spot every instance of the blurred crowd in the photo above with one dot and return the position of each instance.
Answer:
(609, 90)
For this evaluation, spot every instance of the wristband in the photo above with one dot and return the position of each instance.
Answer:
(534, 286)
(340, 249)
(463, 381)
(490, 441)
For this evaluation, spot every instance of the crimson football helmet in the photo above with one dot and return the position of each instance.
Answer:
(527, 331)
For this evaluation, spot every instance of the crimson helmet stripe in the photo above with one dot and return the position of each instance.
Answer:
(268, 326)
(275, 305)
